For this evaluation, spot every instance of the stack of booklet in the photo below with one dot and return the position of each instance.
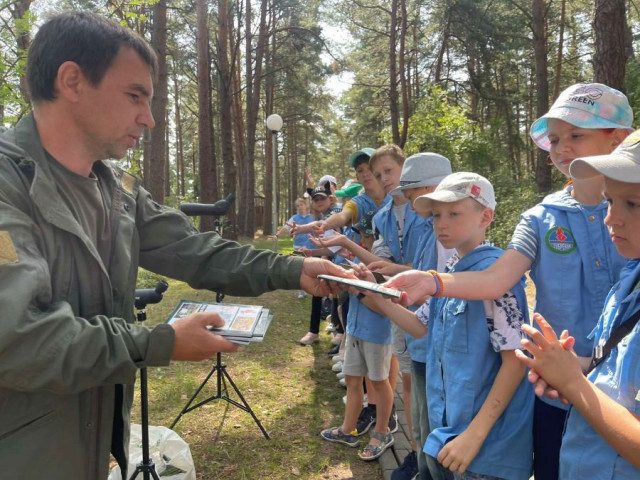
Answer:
(242, 323)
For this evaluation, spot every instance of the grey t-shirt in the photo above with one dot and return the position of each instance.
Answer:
(85, 200)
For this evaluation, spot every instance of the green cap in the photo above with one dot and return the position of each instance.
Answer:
(360, 156)
(351, 191)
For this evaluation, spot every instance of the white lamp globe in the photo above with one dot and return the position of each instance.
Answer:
(274, 122)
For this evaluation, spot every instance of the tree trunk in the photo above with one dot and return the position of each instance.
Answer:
(558, 70)
(393, 73)
(612, 40)
(238, 117)
(18, 11)
(224, 103)
(179, 146)
(208, 173)
(269, 194)
(404, 89)
(543, 172)
(155, 175)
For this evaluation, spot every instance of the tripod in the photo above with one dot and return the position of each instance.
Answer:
(146, 467)
(218, 209)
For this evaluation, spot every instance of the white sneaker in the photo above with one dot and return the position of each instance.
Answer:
(337, 358)
(329, 328)
(340, 375)
(343, 383)
(302, 294)
(337, 339)
(309, 339)
(365, 400)
(337, 367)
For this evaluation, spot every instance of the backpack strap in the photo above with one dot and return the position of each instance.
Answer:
(600, 352)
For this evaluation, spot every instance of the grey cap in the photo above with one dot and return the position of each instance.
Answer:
(623, 164)
(425, 169)
(455, 187)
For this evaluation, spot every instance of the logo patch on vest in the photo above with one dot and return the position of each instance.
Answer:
(7, 249)
(560, 240)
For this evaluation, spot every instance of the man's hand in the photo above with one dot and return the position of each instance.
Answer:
(415, 284)
(553, 363)
(310, 283)
(194, 342)
(458, 454)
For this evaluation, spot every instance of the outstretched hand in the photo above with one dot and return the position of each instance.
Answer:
(310, 283)
(336, 240)
(387, 268)
(194, 342)
(415, 284)
(554, 366)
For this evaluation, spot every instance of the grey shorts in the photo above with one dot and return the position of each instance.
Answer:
(369, 359)
(400, 348)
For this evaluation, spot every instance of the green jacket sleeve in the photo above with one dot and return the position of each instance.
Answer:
(171, 246)
(44, 345)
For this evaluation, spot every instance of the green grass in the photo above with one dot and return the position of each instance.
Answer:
(291, 389)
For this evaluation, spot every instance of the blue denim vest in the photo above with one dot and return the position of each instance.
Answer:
(584, 453)
(302, 239)
(425, 258)
(576, 266)
(461, 369)
(385, 222)
(366, 204)
(366, 324)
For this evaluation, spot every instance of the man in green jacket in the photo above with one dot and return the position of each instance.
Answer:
(73, 231)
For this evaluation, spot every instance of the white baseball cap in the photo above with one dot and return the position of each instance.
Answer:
(455, 187)
(327, 178)
(623, 164)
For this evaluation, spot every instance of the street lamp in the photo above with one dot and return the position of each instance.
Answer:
(274, 123)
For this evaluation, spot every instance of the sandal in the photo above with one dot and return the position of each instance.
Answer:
(338, 436)
(371, 452)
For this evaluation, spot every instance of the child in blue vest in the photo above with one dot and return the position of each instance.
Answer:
(562, 240)
(367, 353)
(302, 217)
(602, 434)
(480, 406)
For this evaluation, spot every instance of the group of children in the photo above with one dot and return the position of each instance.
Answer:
(474, 413)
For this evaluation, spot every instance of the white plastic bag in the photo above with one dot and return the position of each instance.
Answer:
(168, 451)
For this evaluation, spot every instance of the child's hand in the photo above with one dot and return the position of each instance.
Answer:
(336, 240)
(553, 360)
(319, 227)
(386, 268)
(414, 283)
(458, 454)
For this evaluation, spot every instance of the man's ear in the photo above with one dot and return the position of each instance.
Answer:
(70, 81)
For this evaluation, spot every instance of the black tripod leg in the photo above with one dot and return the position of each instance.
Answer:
(146, 467)
(245, 406)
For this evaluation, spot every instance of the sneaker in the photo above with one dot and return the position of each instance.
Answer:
(393, 421)
(342, 382)
(329, 328)
(337, 358)
(366, 419)
(334, 350)
(365, 400)
(337, 367)
(409, 468)
(302, 294)
(337, 339)
(371, 452)
(340, 375)
(336, 435)
(309, 339)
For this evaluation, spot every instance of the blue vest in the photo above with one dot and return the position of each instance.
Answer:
(302, 239)
(461, 369)
(576, 266)
(584, 453)
(425, 258)
(385, 222)
(365, 324)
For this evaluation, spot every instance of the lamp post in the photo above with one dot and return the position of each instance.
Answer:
(274, 123)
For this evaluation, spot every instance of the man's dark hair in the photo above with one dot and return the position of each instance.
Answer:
(85, 38)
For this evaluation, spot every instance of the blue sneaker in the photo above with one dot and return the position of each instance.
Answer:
(409, 468)
(336, 435)
(366, 419)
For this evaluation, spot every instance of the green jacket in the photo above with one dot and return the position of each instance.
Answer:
(69, 350)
